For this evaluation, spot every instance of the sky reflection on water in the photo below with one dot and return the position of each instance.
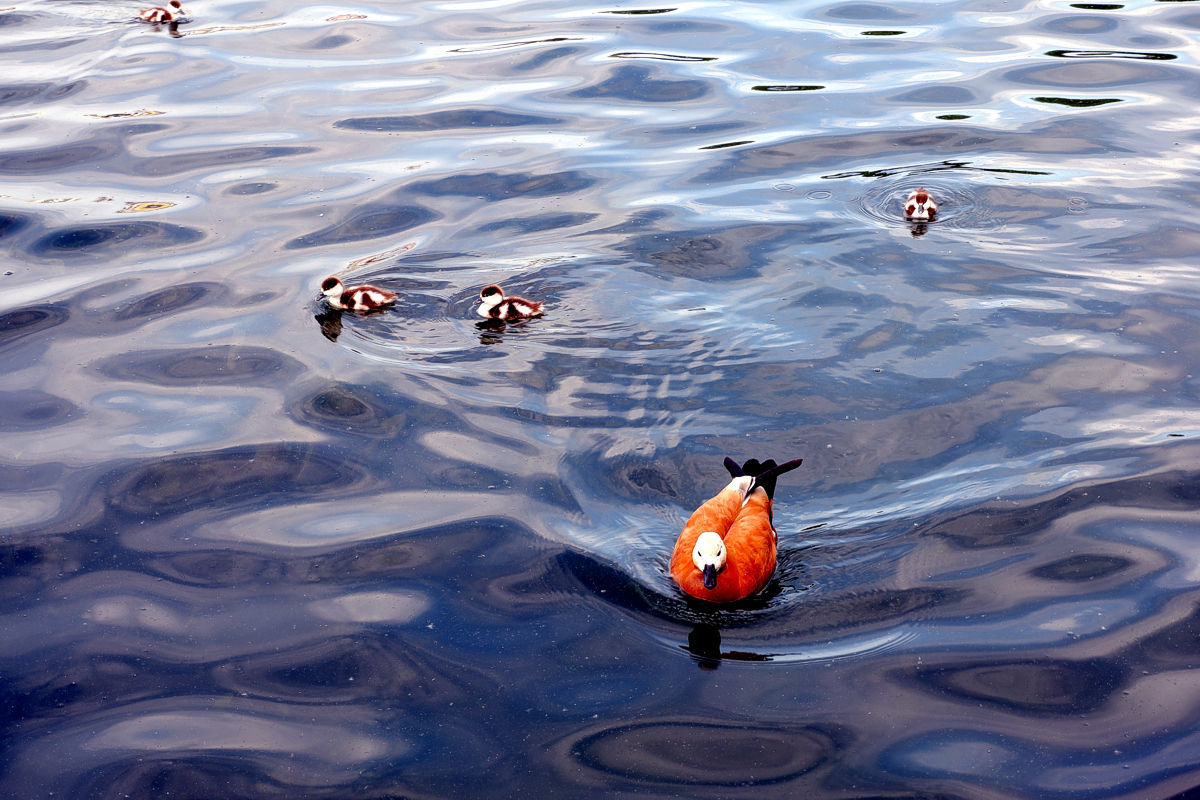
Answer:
(251, 548)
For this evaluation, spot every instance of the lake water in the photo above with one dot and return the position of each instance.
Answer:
(254, 549)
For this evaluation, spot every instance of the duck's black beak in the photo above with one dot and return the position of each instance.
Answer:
(710, 576)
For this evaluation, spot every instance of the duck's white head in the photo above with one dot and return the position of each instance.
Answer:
(709, 557)
(332, 287)
(176, 8)
(491, 296)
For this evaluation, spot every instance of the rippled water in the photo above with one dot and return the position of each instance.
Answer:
(252, 548)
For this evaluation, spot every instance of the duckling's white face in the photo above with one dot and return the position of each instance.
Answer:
(491, 296)
(177, 7)
(709, 556)
(332, 287)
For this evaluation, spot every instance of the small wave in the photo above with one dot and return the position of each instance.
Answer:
(959, 202)
(662, 56)
(1111, 54)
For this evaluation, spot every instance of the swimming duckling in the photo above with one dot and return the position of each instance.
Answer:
(920, 206)
(172, 12)
(494, 305)
(356, 298)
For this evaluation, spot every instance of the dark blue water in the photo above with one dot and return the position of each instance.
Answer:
(253, 549)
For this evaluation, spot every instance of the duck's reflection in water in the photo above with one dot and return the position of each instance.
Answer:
(330, 321)
(491, 331)
(704, 643)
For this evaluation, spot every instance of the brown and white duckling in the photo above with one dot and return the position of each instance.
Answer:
(494, 305)
(356, 298)
(171, 12)
(920, 206)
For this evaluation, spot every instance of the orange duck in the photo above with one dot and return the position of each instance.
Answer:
(727, 549)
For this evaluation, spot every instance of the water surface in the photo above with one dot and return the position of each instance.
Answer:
(252, 548)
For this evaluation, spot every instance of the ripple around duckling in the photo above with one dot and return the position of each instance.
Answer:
(413, 325)
(434, 325)
(420, 330)
(959, 204)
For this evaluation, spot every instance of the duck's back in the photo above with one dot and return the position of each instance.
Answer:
(750, 545)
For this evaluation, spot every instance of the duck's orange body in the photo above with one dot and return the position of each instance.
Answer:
(741, 515)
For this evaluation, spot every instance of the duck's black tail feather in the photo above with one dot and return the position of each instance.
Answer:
(764, 472)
